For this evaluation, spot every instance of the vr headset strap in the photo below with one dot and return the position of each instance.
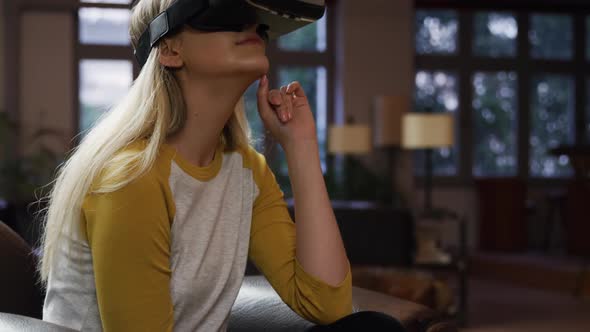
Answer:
(172, 18)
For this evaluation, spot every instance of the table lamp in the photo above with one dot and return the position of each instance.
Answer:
(387, 122)
(426, 131)
(349, 139)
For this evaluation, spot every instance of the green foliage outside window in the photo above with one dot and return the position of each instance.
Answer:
(494, 104)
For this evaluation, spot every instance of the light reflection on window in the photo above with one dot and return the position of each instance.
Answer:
(436, 31)
(102, 84)
(104, 26)
(552, 124)
(495, 34)
(495, 124)
(437, 92)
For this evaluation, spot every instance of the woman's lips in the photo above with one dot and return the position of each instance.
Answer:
(250, 41)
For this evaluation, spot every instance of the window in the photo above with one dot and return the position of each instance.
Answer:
(494, 112)
(104, 26)
(105, 58)
(102, 83)
(313, 79)
(513, 94)
(437, 91)
(436, 32)
(106, 70)
(494, 34)
(304, 56)
(551, 37)
(552, 111)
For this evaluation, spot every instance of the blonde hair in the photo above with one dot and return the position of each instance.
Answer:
(152, 110)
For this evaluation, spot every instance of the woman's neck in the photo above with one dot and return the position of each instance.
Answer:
(209, 105)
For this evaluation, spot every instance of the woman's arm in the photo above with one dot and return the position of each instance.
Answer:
(128, 232)
(304, 261)
(287, 114)
(272, 249)
(319, 244)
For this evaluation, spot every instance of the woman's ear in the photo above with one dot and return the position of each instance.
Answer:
(170, 52)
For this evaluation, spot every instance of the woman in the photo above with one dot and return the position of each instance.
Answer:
(152, 219)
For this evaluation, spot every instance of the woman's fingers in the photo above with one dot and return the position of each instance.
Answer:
(277, 102)
(263, 95)
(284, 100)
(274, 97)
(281, 103)
(299, 99)
(287, 102)
(295, 88)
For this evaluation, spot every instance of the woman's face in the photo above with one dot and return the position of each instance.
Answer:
(217, 54)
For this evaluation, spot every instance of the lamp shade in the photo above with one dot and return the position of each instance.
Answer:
(349, 139)
(387, 118)
(427, 130)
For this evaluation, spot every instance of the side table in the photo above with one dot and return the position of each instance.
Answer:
(458, 262)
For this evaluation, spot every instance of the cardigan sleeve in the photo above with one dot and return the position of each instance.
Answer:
(272, 251)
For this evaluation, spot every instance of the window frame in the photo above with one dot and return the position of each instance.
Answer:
(287, 58)
(279, 58)
(466, 64)
(95, 52)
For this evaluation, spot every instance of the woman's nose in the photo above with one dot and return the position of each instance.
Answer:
(259, 29)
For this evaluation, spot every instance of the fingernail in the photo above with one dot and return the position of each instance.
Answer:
(264, 80)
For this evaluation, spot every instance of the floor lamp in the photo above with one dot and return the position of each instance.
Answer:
(387, 116)
(349, 139)
(426, 131)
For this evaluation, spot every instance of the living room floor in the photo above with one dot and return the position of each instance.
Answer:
(498, 306)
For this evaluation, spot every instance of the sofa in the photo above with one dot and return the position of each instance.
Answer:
(257, 308)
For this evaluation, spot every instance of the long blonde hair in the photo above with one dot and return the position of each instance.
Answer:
(152, 110)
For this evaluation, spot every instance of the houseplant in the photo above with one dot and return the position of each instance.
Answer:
(25, 177)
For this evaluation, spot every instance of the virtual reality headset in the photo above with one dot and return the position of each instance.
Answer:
(275, 18)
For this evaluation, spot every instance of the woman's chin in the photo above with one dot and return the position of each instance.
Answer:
(255, 68)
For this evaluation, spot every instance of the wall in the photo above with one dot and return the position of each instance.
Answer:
(46, 75)
(375, 54)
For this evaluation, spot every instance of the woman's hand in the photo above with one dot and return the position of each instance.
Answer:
(286, 113)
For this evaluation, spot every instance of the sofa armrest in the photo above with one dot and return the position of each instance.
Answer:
(415, 317)
(259, 308)
(18, 323)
